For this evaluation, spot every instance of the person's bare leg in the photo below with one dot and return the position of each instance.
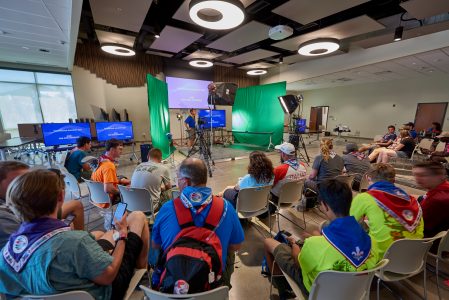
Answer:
(74, 207)
(380, 157)
(374, 154)
(269, 246)
(137, 223)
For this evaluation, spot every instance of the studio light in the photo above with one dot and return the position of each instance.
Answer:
(289, 103)
(320, 46)
(201, 63)
(256, 72)
(217, 14)
(398, 33)
(118, 49)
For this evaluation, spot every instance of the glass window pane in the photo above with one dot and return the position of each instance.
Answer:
(16, 76)
(54, 79)
(19, 104)
(57, 103)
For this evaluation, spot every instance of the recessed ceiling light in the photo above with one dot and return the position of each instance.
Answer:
(201, 63)
(118, 49)
(256, 72)
(217, 14)
(319, 46)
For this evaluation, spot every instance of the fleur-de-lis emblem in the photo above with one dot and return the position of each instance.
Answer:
(357, 254)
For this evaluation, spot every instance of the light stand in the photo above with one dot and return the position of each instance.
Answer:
(171, 155)
(179, 117)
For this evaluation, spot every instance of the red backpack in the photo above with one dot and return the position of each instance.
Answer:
(193, 262)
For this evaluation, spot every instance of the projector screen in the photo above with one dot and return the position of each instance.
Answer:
(187, 93)
(56, 134)
(218, 118)
(114, 130)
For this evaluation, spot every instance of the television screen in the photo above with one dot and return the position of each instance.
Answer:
(218, 118)
(56, 134)
(187, 93)
(301, 125)
(114, 130)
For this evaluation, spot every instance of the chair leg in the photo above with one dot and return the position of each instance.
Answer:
(269, 223)
(378, 288)
(271, 280)
(278, 217)
(438, 283)
(425, 281)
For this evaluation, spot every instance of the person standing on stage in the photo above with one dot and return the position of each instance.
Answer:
(189, 123)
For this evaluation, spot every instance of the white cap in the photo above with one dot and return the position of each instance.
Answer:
(287, 148)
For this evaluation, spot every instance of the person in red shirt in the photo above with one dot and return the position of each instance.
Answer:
(435, 203)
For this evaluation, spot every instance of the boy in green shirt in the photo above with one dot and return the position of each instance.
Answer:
(342, 245)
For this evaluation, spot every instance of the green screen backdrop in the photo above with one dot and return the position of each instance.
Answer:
(159, 115)
(257, 109)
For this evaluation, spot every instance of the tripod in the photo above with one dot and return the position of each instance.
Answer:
(203, 149)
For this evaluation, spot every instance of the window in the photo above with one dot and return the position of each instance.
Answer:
(32, 97)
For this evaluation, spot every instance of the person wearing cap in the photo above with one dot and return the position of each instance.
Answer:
(439, 156)
(291, 169)
(355, 163)
(410, 126)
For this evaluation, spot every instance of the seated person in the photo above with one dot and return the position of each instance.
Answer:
(196, 196)
(9, 223)
(326, 165)
(403, 150)
(74, 163)
(291, 169)
(44, 256)
(434, 130)
(355, 163)
(107, 172)
(375, 153)
(342, 246)
(386, 140)
(390, 212)
(440, 156)
(435, 203)
(153, 176)
(260, 173)
(410, 126)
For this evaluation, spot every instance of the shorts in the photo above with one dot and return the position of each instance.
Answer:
(283, 257)
(191, 132)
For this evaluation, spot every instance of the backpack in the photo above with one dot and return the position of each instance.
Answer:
(193, 262)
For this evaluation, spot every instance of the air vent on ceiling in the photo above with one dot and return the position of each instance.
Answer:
(44, 50)
(383, 72)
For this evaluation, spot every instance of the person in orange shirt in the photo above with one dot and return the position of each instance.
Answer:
(107, 171)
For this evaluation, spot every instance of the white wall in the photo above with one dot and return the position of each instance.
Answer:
(368, 108)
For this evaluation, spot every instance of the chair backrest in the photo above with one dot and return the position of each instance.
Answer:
(364, 183)
(72, 295)
(440, 147)
(337, 285)
(137, 199)
(221, 293)
(425, 144)
(72, 185)
(443, 247)
(97, 193)
(253, 199)
(348, 179)
(291, 192)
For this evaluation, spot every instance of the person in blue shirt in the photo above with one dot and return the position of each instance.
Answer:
(410, 126)
(195, 195)
(74, 163)
(189, 123)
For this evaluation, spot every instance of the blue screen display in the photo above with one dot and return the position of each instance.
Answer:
(301, 125)
(114, 130)
(218, 118)
(56, 134)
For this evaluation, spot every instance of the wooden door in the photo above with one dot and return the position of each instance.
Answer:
(426, 113)
(314, 111)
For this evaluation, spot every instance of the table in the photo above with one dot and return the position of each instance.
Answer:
(20, 143)
(261, 132)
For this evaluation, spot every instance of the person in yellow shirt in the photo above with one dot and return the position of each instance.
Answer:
(342, 246)
(391, 214)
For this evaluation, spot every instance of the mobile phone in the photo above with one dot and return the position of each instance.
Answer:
(119, 212)
(69, 219)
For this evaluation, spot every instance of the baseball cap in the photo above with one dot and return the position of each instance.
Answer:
(287, 148)
(410, 124)
(350, 147)
(443, 134)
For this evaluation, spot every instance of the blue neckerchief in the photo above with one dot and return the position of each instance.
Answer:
(292, 163)
(30, 236)
(348, 237)
(193, 197)
(389, 188)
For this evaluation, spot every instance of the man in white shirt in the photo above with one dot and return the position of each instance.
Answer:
(153, 176)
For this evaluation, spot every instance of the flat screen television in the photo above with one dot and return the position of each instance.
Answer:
(218, 118)
(114, 130)
(301, 125)
(56, 134)
(187, 93)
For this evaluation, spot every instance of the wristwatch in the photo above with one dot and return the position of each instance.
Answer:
(119, 237)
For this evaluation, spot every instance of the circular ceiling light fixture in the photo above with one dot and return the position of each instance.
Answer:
(320, 46)
(256, 72)
(217, 14)
(201, 63)
(118, 49)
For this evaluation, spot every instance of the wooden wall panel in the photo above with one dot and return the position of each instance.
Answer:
(234, 75)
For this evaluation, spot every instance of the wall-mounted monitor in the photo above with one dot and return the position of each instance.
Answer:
(56, 134)
(114, 130)
(187, 93)
(217, 120)
(301, 125)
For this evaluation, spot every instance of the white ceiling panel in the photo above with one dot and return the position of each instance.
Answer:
(159, 53)
(174, 39)
(202, 54)
(349, 28)
(245, 35)
(306, 11)
(250, 56)
(298, 58)
(260, 65)
(422, 9)
(116, 38)
(128, 15)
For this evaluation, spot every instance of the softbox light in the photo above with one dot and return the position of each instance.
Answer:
(289, 103)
